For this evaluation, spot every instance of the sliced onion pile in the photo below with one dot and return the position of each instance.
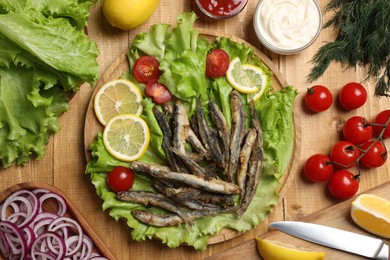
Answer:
(29, 232)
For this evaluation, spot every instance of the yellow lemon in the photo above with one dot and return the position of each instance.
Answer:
(246, 78)
(372, 213)
(128, 14)
(272, 251)
(117, 97)
(126, 137)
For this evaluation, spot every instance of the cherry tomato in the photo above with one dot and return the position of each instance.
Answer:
(120, 179)
(375, 156)
(146, 68)
(352, 96)
(357, 130)
(318, 98)
(344, 154)
(382, 118)
(158, 92)
(318, 168)
(343, 184)
(217, 63)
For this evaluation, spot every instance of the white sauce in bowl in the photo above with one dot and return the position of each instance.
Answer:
(287, 24)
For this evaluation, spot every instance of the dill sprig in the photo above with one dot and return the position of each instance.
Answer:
(363, 39)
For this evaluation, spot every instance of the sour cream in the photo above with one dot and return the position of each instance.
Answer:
(287, 26)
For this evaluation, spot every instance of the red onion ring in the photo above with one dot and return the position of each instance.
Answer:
(28, 232)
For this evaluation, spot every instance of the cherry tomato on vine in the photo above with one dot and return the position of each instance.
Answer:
(318, 98)
(375, 155)
(343, 184)
(381, 119)
(217, 63)
(357, 130)
(318, 168)
(146, 68)
(158, 92)
(352, 95)
(344, 154)
(120, 179)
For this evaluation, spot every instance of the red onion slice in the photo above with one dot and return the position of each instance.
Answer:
(59, 199)
(49, 245)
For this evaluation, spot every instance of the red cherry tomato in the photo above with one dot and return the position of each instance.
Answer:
(217, 63)
(120, 179)
(375, 156)
(357, 130)
(344, 154)
(318, 168)
(146, 68)
(343, 184)
(382, 118)
(352, 96)
(158, 92)
(318, 98)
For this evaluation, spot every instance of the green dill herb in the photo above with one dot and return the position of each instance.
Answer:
(363, 39)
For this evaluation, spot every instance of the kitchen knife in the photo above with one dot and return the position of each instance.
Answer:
(335, 238)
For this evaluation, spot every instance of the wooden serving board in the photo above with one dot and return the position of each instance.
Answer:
(120, 65)
(335, 216)
(72, 212)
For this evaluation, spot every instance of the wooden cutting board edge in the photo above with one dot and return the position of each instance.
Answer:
(335, 216)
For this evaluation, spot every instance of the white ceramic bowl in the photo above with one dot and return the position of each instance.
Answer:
(287, 26)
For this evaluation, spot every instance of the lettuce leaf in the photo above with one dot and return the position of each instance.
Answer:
(182, 59)
(44, 54)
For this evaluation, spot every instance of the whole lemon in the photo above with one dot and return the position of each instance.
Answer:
(128, 14)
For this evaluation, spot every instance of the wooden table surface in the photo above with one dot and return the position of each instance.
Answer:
(64, 163)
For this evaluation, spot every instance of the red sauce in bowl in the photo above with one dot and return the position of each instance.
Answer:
(221, 8)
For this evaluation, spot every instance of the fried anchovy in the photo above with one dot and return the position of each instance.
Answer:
(194, 125)
(182, 193)
(223, 128)
(225, 201)
(148, 198)
(244, 157)
(167, 139)
(209, 142)
(181, 126)
(196, 144)
(212, 185)
(149, 167)
(238, 126)
(169, 220)
(255, 163)
(192, 166)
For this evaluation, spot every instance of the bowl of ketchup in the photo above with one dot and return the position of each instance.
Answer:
(221, 9)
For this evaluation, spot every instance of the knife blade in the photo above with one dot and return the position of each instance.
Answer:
(335, 238)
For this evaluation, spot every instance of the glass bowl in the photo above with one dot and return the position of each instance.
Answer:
(221, 9)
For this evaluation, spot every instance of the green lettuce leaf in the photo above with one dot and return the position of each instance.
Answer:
(44, 55)
(182, 59)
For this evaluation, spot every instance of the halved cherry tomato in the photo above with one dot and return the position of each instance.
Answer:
(343, 184)
(357, 130)
(352, 95)
(375, 154)
(318, 98)
(318, 168)
(146, 68)
(120, 179)
(217, 63)
(344, 154)
(380, 120)
(158, 92)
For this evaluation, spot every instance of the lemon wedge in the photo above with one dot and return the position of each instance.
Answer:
(372, 213)
(117, 97)
(126, 137)
(246, 78)
(272, 251)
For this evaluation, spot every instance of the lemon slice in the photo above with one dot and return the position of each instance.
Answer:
(126, 137)
(246, 78)
(117, 97)
(272, 251)
(372, 213)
